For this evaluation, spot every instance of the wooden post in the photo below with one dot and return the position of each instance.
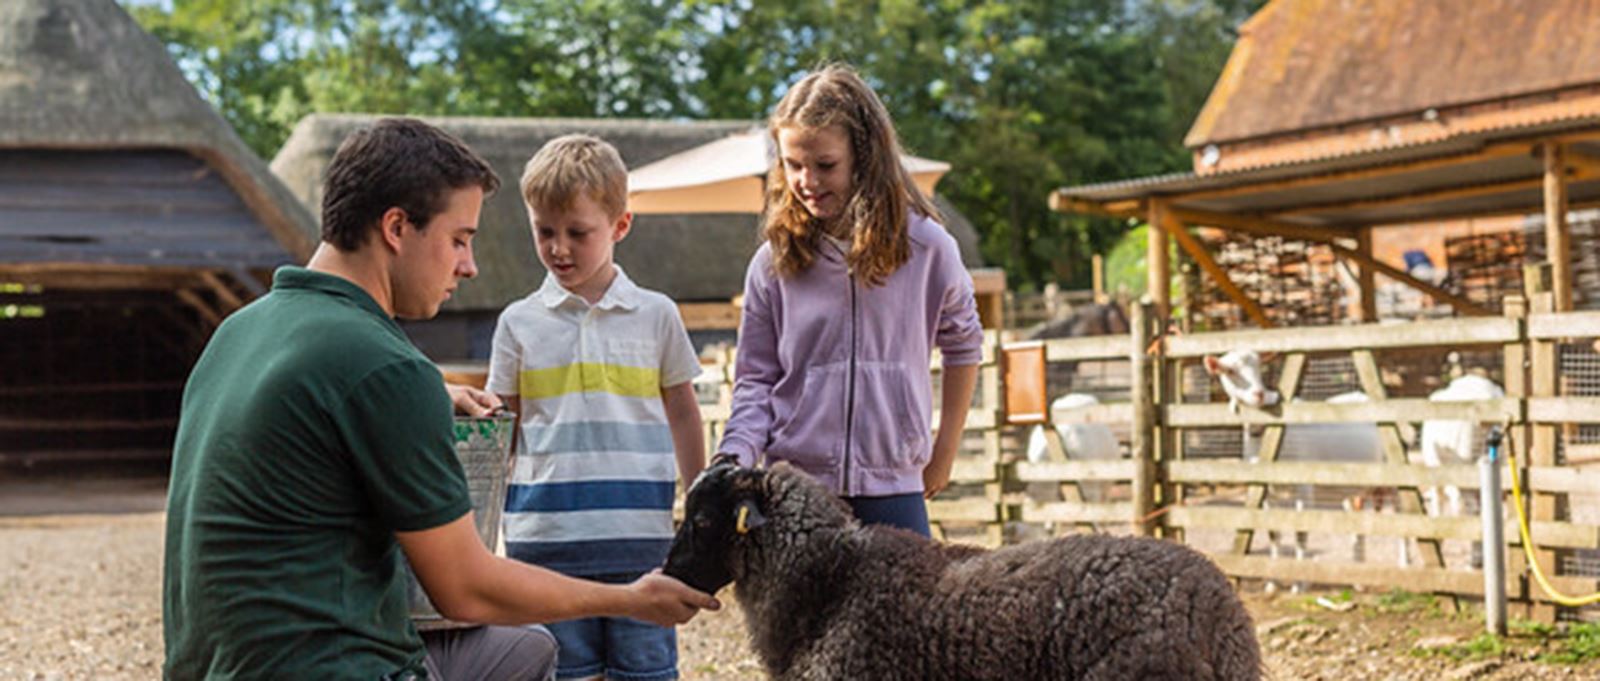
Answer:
(1369, 288)
(1557, 243)
(1097, 264)
(1517, 439)
(1541, 450)
(1156, 263)
(1144, 418)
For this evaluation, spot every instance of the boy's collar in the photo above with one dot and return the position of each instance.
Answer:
(621, 294)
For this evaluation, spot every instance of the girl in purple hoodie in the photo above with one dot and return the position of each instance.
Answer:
(856, 284)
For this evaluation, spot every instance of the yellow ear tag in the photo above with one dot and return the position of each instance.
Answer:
(739, 526)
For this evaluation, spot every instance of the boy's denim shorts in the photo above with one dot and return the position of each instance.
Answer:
(615, 647)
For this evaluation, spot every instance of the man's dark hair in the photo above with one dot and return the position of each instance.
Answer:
(395, 163)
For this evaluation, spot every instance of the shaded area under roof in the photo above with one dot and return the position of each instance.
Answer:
(1308, 64)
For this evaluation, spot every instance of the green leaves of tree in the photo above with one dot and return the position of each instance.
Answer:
(1021, 96)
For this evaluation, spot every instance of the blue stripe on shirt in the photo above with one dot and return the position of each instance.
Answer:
(589, 496)
(593, 557)
(598, 436)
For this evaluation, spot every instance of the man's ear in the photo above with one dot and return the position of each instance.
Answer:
(622, 226)
(391, 226)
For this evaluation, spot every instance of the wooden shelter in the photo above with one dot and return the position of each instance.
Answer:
(132, 220)
(1333, 117)
(699, 259)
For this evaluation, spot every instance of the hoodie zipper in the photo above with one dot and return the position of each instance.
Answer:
(850, 399)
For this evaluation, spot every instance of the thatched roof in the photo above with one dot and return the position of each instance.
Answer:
(82, 75)
(687, 257)
(1305, 65)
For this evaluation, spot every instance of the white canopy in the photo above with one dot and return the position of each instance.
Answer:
(726, 176)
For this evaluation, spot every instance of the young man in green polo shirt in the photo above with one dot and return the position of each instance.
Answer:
(315, 446)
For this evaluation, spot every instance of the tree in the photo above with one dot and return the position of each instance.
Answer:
(1021, 96)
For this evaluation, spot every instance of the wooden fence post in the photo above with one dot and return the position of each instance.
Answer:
(1519, 597)
(1541, 450)
(1144, 419)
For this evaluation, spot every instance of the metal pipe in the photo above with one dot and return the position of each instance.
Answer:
(1494, 559)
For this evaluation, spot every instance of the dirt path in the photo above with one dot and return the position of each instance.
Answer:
(80, 599)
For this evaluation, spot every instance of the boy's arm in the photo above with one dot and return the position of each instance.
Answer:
(469, 584)
(688, 434)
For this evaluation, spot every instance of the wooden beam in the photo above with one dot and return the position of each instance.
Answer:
(1257, 225)
(1366, 173)
(193, 300)
(230, 301)
(1427, 196)
(1399, 410)
(1060, 202)
(1159, 269)
(1558, 243)
(1368, 283)
(1461, 305)
(1198, 251)
(82, 276)
(1432, 333)
(1581, 165)
(709, 316)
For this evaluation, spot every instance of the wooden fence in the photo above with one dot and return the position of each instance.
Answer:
(1162, 492)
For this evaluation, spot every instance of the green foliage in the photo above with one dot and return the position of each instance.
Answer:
(1021, 96)
(1570, 644)
(1484, 645)
(1402, 601)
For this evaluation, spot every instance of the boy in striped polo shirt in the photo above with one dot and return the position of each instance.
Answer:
(598, 371)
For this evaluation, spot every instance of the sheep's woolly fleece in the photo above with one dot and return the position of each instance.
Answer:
(825, 598)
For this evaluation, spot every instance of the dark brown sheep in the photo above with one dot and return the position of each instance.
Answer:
(826, 598)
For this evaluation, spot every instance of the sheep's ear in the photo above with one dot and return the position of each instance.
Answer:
(747, 517)
(1212, 365)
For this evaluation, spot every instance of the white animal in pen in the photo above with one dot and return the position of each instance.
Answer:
(1442, 442)
(1088, 441)
(1239, 372)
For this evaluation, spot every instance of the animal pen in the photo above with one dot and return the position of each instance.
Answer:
(1225, 505)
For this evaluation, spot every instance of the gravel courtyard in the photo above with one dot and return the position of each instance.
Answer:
(80, 566)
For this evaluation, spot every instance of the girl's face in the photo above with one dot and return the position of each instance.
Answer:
(819, 167)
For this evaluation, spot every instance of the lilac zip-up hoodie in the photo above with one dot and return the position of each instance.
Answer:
(832, 374)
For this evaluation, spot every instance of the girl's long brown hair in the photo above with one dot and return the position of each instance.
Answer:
(882, 189)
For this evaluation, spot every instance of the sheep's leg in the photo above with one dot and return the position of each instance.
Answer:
(1358, 542)
(1299, 547)
(1271, 585)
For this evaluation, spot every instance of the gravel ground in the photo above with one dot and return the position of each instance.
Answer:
(80, 599)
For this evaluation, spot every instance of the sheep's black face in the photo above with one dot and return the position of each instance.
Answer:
(722, 506)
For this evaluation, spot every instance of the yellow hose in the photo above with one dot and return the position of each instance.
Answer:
(1527, 541)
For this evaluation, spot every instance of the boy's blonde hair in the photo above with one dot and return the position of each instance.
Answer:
(570, 166)
(884, 193)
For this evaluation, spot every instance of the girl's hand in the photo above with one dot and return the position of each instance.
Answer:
(936, 476)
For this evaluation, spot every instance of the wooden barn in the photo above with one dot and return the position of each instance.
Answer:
(1335, 118)
(694, 258)
(132, 220)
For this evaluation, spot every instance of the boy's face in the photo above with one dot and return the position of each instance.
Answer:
(819, 167)
(576, 244)
(432, 260)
